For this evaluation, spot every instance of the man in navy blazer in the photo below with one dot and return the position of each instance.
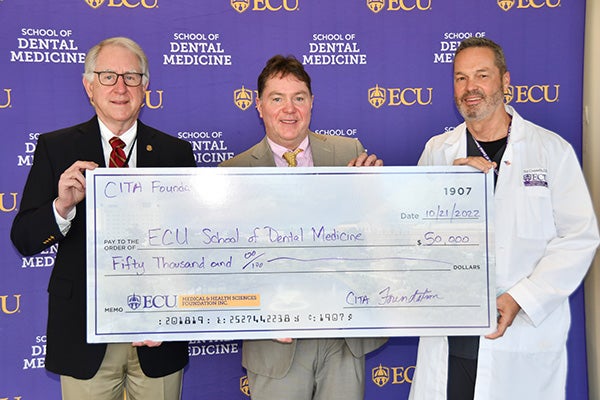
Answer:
(52, 211)
(303, 369)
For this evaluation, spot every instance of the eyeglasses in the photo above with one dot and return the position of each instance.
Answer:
(108, 78)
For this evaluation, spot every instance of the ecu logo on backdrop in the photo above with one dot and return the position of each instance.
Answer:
(4, 207)
(375, 5)
(398, 375)
(244, 386)
(506, 4)
(121, 3)
(509, 94)
(7, 103)
(532, 94)
(158, 102)
(14, 304)
(377, 96)
(394, 97)
(264, 5)
(240, 5)
(243, 98)
(380, 375)
(94, 3)
(399, 5)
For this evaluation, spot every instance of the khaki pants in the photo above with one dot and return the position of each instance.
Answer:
(322, 369)
(120, 374)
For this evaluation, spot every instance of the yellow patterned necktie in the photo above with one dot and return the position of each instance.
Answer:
(290, 157)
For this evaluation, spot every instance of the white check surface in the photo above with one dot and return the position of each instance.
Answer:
(239, 253)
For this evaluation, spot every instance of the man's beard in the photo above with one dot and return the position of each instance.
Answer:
(481, 110)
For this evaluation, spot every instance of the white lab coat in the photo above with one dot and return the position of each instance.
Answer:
(546, 238)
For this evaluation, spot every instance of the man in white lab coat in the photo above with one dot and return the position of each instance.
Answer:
(546, 236)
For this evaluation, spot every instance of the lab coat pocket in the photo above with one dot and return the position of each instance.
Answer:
(535, 219)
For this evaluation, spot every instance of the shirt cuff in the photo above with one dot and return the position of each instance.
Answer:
(63, 224)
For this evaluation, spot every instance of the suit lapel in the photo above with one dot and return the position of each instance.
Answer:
(147, 154)
(89, 142)
(262, 156)
(322, 151)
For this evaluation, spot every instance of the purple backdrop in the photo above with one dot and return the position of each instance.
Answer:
(381, 72)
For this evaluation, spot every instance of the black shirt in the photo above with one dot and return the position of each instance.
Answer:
(468, 346)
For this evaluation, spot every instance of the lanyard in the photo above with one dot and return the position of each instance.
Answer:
(132, 146)
(485, 155)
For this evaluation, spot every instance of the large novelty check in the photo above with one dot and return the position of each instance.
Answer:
(232, 253)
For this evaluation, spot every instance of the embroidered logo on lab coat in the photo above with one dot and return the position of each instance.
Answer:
(535, 177)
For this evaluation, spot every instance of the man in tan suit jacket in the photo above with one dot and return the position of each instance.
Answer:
(303, 369)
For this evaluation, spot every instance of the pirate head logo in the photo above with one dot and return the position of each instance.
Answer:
(244, 386)
(240, 5)
(243, 98)
(506, 4)
(94, 3)
(509, 94)
(375, 5)
(134, 301)
(380, 375)
(377, 96)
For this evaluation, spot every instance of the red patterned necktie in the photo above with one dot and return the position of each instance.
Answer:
(117, 155)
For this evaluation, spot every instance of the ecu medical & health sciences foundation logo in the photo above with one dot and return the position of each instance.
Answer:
(151, 301)
(134, 301)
